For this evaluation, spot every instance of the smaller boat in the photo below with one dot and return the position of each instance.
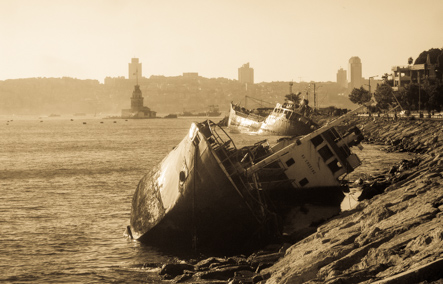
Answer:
(212, 112)
(249, 119)
(290, 118)
(189, 113)
(171, 115)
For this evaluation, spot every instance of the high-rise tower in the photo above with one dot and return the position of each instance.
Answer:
(246, 74)
(355, 75)
(134, 69)
(341, 78)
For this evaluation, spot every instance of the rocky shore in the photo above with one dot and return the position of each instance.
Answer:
(393, 235)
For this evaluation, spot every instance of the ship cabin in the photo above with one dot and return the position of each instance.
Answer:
(334, 150)
(316, 160)
(286, 110)
(289, 105)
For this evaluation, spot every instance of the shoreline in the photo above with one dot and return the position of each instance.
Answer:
(394, 232)
(393, 235)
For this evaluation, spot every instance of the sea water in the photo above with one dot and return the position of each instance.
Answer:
(66, 187)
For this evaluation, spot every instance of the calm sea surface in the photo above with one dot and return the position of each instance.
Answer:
(66, 189)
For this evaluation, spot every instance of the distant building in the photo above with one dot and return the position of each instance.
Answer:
(246, 74)
(137, 109)
(355, 79)
(417, 73)
(190, 74)
(341, 78)
(134, 69)
(113, 80)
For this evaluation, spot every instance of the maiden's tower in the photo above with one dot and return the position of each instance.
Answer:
(137, 109)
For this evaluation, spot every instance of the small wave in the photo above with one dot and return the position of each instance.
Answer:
(64, 172)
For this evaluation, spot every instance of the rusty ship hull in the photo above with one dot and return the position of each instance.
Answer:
(287, 122)
(193, 200)
(240, 117)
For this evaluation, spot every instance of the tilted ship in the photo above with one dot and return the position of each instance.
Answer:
(290, 118)
(251, 120)
(208, 196)
(198, 196)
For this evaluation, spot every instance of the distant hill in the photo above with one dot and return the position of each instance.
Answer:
(43, 96)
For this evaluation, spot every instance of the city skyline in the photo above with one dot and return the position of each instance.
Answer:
(283, 40)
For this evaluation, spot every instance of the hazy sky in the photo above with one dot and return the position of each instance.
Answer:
(282, 40)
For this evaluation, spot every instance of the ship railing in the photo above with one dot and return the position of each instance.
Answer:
(225, 149)
(249, 191)
(219, 144)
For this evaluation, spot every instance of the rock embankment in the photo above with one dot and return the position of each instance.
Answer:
(394, 235)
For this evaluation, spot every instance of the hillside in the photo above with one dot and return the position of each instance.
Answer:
(66, 96)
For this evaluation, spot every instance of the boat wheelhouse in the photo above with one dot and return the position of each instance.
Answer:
(287, 119)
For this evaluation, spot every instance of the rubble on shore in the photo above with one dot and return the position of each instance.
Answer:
(393, 235)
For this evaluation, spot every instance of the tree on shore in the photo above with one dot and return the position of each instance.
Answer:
(360, 96)
(384, 96)
(435, 57)
(425, 95)
(435, 95)
(421, 97)
(434, 53)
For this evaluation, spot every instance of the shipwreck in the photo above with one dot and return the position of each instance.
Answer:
(292, 118)
(209, 196)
